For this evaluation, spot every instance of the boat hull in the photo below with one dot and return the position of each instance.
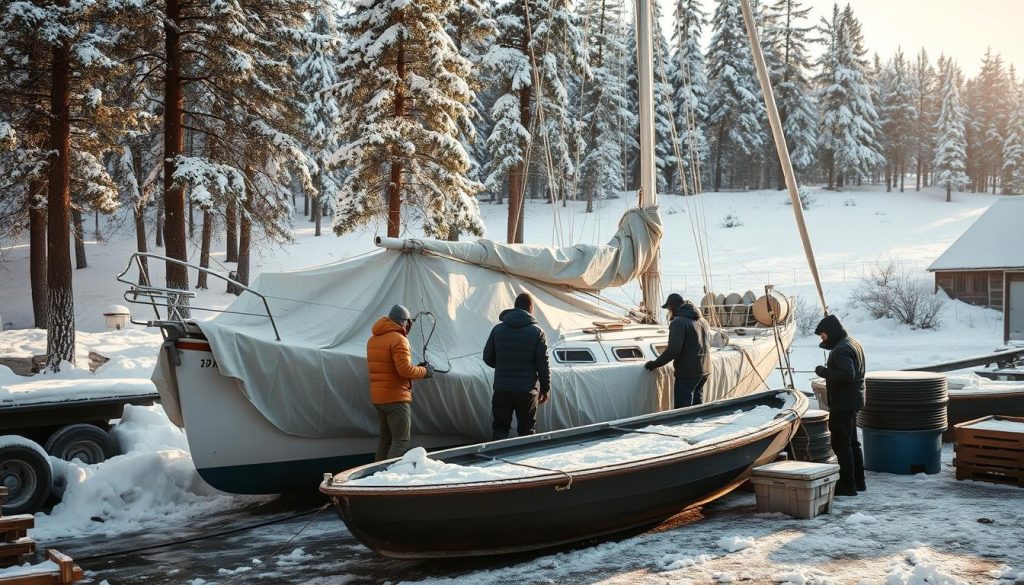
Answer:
(498, 518)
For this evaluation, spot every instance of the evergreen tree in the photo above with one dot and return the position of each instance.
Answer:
(788, 43)
(950, 161)
(925, 89)
(1013, 147)
(992, 111)
(404, 83)
(899, 116)
(608, 115)
(735, 112)
(848, 120)
(691, 87)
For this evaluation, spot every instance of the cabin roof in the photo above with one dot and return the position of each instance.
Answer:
(995, 241)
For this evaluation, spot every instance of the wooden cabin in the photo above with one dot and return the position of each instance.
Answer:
(985, 265)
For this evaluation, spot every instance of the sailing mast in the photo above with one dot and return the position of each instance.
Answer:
(650, 281)
(780, 143)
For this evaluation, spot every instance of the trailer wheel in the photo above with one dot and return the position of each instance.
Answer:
(85, 442)
(25, 472)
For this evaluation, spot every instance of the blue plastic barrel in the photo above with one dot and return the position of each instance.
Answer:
(902, 452)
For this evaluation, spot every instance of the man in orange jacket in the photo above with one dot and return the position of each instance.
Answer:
(391, 374)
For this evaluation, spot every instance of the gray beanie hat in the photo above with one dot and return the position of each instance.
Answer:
(399, 314)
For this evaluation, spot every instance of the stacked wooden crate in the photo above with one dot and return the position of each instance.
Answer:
(16, 546)
(990, 449)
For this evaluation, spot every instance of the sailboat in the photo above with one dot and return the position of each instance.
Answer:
(272, 392)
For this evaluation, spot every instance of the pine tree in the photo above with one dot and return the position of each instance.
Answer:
(404, 83)
(899, 117)
(925, 92)
(788, 43)
(992, 111)
(848, 120)
(608, 115)
(950, 161)
(691, 87)
(1013, 147)
(735, 113)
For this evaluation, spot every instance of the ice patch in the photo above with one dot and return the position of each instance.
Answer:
(859, 518)
(735, 543)
(676, 562)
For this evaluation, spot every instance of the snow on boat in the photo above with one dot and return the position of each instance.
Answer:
(554, 488)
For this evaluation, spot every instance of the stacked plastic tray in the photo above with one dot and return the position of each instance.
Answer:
(904, 401)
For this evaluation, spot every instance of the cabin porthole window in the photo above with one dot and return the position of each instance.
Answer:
(574, 356)
(628, 354)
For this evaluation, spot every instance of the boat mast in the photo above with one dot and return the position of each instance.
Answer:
(650, 281)
(780, 143)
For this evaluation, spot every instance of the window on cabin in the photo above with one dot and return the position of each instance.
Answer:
(574, 356)
(626, 354)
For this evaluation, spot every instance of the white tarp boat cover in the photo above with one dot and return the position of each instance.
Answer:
(314, 381)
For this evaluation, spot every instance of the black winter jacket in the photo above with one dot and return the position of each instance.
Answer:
(689, 344)
(518, 351)
(844, 369)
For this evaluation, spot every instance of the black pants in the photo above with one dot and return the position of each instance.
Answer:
(688, 392)
(504, 404)
(843, 427)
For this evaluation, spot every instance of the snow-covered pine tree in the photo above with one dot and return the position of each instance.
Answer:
(925, 98)
(1013, 146)
(735, 112)
(404, 82)
(848, 119)
(899, 115)
(950, 160)
(989, 118)
(321, 114)
(788, 41)
(690, 84)
(608, 116)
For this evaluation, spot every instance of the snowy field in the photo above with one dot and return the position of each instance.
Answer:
(920, 529)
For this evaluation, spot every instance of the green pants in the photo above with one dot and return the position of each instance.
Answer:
(395, 429)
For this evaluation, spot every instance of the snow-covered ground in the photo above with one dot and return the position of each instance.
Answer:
(155, 485)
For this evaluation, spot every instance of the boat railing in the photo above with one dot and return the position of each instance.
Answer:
(177, 303)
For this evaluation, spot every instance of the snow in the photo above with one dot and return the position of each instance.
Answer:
(29, 569)
(994, 241)
(904, 529)
(1008, 426)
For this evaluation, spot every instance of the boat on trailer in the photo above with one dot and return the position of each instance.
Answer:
(555, 488)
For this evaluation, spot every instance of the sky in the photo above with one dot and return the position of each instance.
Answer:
(960, 28)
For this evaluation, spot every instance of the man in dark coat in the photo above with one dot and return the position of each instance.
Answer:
(844, 383)
(689, 345)
(518, 351)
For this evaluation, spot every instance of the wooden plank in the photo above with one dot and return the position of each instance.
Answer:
(43, 578)
(19, 522)
(65, 564)
(967, 435)
(13, 535)
(972, 455)
(986, 475)
(22, 546)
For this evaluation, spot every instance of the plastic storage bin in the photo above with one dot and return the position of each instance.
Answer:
(902, 452)
(801, 489)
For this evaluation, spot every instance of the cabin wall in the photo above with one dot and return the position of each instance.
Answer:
(977, 287)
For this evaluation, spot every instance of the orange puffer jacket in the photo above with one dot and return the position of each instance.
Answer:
(390, 361)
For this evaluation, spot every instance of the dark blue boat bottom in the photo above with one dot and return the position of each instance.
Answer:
(280, 477)
(541, 516)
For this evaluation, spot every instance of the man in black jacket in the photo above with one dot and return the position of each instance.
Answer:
(844, 383)
(689, 344)
(518, 352)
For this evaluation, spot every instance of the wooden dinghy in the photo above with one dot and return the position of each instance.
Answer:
(545, 490)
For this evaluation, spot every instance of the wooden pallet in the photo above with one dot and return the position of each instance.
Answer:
(971, 455)
(11, 553)
(989, 473)
(966, 434)
(67, 572)
(14, 527)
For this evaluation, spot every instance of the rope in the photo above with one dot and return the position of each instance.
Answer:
(567, 486)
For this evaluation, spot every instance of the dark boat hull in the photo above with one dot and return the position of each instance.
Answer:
(470, 521)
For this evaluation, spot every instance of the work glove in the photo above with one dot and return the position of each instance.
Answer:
(430, 370)
(650, 366)
(820, 371)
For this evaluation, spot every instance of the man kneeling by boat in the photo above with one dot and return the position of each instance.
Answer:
(391, 374)
(518, 351)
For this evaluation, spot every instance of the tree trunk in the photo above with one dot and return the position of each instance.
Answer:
(231, 229)
(395, 187)
(76, 219)
(60, 327)
(204, 250)
(244, 236)
(37, 253)
(96, 228)
(174, 146)
(317, 208)
(160, 221)
(305, 202)
(920, 169)
(949, 192)
(903, 174)
(517, 178)
(139, 213)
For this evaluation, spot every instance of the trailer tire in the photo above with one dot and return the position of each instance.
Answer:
(87, 443)
(26, 473)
